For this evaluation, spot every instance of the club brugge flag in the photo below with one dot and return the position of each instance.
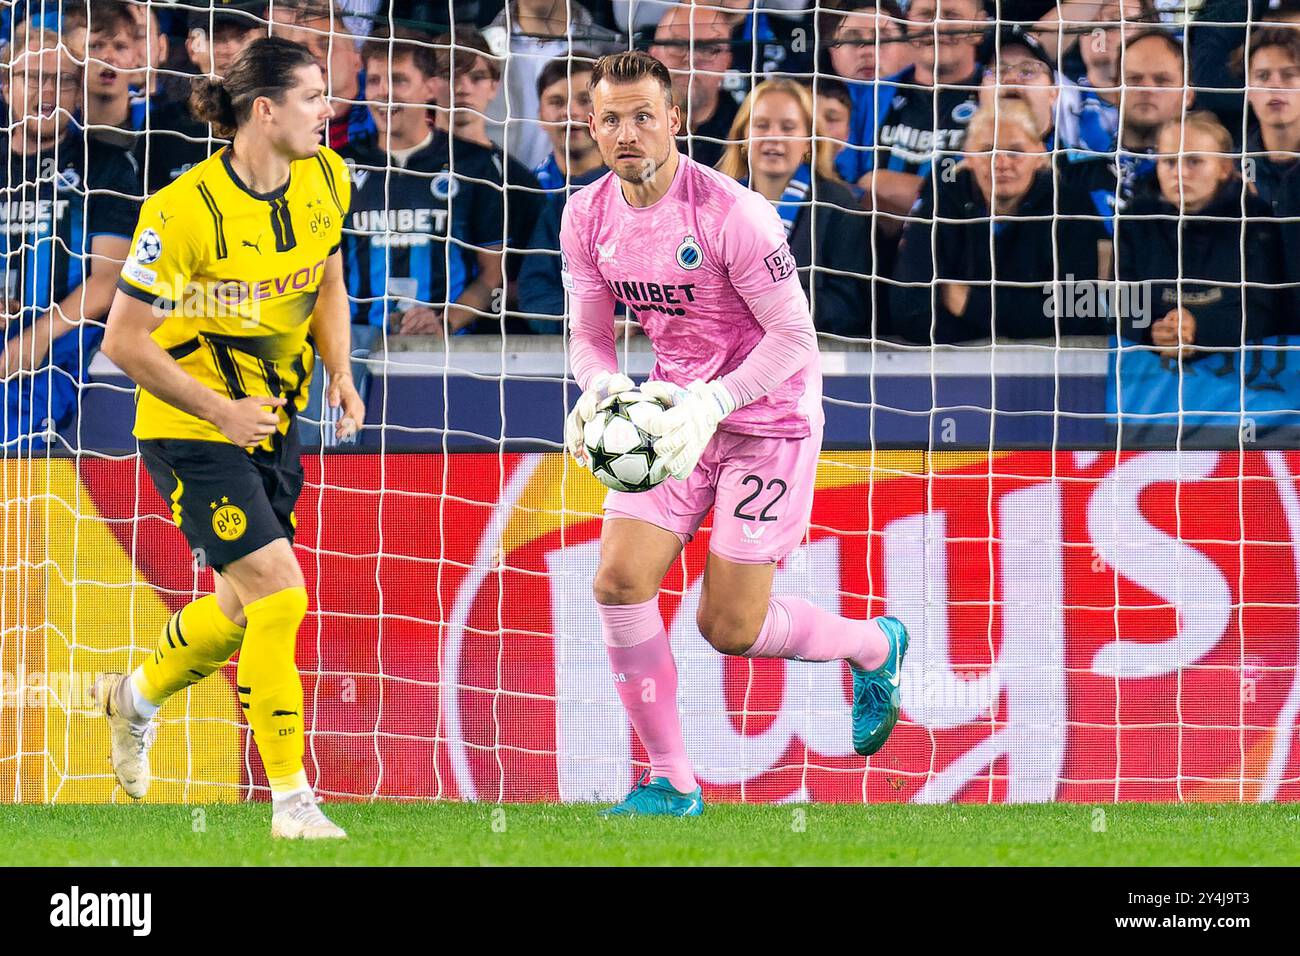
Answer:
(1216, 399)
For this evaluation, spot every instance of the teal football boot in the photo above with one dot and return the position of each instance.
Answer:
(875, 693)
(657, 798)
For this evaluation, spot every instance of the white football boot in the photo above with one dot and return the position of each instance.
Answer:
(298, 817)
(131, 740)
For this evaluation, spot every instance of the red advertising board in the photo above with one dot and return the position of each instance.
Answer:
(1085, 627)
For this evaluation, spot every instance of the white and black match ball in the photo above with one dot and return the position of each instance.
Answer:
(621, 450)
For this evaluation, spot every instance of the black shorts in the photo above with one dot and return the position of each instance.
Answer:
(228, 502)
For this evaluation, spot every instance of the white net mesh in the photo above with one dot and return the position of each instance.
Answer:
(1054, 313)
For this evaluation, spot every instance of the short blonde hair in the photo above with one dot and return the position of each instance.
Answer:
(1205, 122)
(735, 158)
(1004, 110)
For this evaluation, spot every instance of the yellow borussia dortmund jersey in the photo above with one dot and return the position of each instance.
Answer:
(236, 274)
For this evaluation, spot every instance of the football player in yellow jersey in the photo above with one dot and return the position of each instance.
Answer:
(234, 274)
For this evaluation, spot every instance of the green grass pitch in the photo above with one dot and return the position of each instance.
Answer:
(728, 834)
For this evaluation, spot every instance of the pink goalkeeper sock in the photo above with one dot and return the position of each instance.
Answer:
(646, 678)
(796, 629)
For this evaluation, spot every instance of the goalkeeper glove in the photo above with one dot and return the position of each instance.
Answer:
(687, 425)
(602, 387)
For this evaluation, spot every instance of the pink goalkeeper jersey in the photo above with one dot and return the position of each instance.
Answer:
(707, 272)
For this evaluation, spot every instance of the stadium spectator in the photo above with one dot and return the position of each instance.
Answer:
(176, 140)
(112, 59)
(335, 49)
(1188, 243)
(642, 16)
(1062, 29)
(64, 234)
(769, 37)
(1020, 69)
(1272, 164)
(155, 82)
(772, 153)
(532, 33)
(216, 35)
(863, 41)
(864, 44)
(574, 162)
(1096, 108)
(1155, 93)
(980, 253)
(1214, 40)
(424, 234)
(834, 115)
(933, 101)
(694, 42)
(564, 106)
(359, 16)
(468, 77)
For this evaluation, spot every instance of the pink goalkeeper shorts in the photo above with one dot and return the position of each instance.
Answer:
(760, 490)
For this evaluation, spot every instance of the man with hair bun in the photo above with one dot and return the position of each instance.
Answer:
(232, 266)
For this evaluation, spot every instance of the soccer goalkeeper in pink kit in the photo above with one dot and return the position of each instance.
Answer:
(703, 262)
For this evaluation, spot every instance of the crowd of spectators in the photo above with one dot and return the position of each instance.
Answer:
(941, 174)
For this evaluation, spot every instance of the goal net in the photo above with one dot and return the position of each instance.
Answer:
(1086, 513)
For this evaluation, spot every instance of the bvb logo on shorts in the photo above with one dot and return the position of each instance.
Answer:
(228, 521)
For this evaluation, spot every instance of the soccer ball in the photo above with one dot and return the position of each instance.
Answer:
(621, 450)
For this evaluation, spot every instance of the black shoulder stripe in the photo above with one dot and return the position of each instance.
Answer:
(217, 224)
(329, 181)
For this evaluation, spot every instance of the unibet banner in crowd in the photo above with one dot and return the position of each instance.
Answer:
(1218, 399)
(1085, 626)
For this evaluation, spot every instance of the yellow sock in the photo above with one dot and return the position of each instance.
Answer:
(195, 641)
(270, 690)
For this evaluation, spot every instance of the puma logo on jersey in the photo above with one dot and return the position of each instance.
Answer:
(606, 252)
(254, 245)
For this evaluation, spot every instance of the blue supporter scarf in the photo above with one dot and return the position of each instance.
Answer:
(548, 174)
(141, 104)
(796, 195)
(871, 101)
(757, 28)
(1098, 121)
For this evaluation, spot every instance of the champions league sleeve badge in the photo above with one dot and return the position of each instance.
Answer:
(148, 247)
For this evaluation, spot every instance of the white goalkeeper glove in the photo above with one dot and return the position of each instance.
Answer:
(687, 425)
(602, 387)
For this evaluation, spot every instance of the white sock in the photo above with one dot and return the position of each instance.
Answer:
(290, 788)
(143, 707)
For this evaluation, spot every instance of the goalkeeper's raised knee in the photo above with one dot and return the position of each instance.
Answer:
(270, 690)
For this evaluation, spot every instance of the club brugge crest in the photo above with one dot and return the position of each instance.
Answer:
(689, 254)
(444, 186)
